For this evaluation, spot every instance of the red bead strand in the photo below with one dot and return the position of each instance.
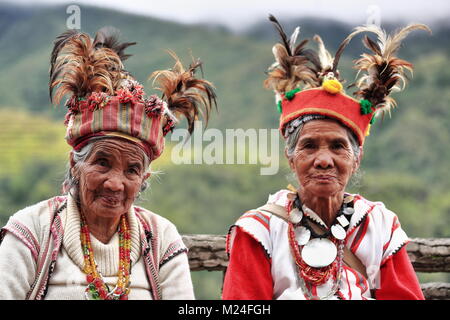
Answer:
(97, 288)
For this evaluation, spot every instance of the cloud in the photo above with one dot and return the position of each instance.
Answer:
(237, 14)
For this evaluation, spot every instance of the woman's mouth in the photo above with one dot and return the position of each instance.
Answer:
(324, 178)
(110, 201)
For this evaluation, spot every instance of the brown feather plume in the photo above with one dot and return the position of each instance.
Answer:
(108, 37)
(58, 44)
(294, 64)
(381, 72)
(184, 93)
(78, 67)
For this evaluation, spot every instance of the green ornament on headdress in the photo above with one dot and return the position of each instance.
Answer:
(280, 109)
(366, 106)
(291, 94)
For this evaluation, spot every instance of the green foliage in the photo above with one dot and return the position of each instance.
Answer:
(207, 284)
(208, 198)
(406, 158)
(32, 159)
(411, 199)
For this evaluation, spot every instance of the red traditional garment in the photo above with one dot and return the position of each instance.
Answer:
(249, 261)
(258, 248)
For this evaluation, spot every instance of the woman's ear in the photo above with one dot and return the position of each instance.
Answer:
(358, 159)
(72, 165)
(72, 162)
(290, 161)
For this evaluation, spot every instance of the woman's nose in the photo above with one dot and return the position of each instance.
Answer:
(323, 160)
(114, 182)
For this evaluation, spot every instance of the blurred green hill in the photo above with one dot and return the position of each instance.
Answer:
(406, 158)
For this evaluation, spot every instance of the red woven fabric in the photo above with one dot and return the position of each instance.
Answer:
(337, 106)
(124, 120)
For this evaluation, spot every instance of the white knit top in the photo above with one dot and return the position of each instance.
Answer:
(18, 266)
(69, 282)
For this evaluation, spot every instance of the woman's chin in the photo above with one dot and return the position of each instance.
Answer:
(324, 190)
(110, 209)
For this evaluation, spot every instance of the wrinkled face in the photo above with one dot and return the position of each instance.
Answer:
(323, 159)
(110, 178)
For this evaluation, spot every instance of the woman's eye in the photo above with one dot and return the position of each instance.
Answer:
(337, 146)
(102, 162)
(133, 171)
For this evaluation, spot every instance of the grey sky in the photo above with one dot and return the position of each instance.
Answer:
(240, 13)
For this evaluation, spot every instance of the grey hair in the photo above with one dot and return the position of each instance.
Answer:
(293, 131)
(78, 157)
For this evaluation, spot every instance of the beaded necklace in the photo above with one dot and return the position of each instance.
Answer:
(97, 289)
(309, 275)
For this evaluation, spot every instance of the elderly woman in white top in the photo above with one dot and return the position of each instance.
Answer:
(94, 242)
(318, 241)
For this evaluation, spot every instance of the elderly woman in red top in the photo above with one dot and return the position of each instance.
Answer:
(320, 242)
(93, 242)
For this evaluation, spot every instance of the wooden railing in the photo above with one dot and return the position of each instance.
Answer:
(207, 252)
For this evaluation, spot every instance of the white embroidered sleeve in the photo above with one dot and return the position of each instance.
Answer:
(175, 279)
(17, 268)
(174, 272)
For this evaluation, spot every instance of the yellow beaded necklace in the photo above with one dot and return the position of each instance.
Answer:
(97, 289)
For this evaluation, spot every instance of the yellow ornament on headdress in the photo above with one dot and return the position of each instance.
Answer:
(332, 86)
(368, 130)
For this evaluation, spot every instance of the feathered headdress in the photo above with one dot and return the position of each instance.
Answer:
(381, 72)
(307, 81)
(294, 65)
(184, 93)
(79, 67)
(298, 67)
(105, 100)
